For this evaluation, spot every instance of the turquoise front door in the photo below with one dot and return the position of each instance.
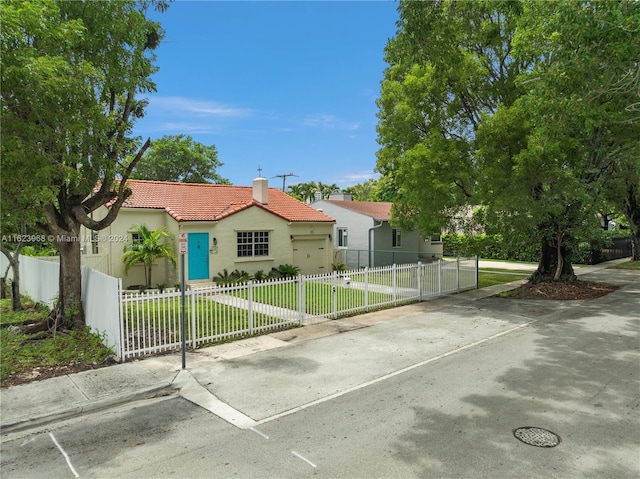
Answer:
(198, 256)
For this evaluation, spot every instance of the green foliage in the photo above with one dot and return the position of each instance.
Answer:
(286, 271)
(180, 158)
(491, 278)
(306, 192)
(503, 248)
(382, 189)
(235, 277)
(633, 265)
(490, 247)
(20, 355)
(260, 275)
(149, 248)
(74, 76)
(526, 108)
(29, 250)
(283, 271)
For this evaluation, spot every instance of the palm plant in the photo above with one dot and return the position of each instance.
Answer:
(224, 278)
(287, 271)
(147, 248)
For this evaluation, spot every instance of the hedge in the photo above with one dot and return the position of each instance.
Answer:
(499, 248)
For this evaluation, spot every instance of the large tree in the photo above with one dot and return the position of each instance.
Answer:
(450, 65)
(72, 76)
(581, 130)
(512, 106)
(180, 158)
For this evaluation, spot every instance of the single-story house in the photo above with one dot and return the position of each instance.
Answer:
(364, 236)
(249, 228)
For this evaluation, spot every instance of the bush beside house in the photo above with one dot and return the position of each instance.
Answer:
(498, 247)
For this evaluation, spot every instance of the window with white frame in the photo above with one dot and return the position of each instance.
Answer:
(396, 238)
(94, 242)
(342, 238)
(136, 238)
(252, 243)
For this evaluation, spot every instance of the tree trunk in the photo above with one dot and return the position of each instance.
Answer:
(635, 246)
(14, 263)
(69, 311)
(16, 301)
(553, 264)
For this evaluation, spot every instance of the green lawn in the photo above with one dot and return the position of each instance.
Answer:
(635, 265)
(319, 297)
(497, 276)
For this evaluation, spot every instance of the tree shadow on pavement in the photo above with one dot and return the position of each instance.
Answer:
(580, 380)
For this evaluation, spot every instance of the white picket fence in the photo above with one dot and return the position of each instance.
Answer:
(139, 324)
(151, 321)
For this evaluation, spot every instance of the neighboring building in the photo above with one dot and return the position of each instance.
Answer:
(363, 235)
(228, 227)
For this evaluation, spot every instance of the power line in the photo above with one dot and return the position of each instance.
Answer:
(284, 178)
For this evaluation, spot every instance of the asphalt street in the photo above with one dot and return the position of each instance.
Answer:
(404, 398)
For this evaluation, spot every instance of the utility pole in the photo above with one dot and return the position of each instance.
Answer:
(284, 178)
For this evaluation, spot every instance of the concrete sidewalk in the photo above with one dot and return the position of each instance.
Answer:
(376, 345)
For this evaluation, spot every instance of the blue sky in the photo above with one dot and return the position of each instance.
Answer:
(289, 86)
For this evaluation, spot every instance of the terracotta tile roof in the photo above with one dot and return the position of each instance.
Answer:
(380, 211)
(205, 202)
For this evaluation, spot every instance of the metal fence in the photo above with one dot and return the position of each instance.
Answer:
(616, 248)
(150, 322)
(356, 258)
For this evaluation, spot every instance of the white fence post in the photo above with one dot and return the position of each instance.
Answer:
(335, 295)
(366, 288)
(419, 280)
(194, 336)
(250, 308)
(394, 282)
(302, 297)
(457, 273)
(121, 321)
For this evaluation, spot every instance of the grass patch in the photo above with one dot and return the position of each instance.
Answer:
(319, 296)
(62, 349)
(494, 277)
(634, 265)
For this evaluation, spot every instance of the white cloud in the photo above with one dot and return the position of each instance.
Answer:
(177, 105)
(330, 122)
(351, 179)
(186, 128)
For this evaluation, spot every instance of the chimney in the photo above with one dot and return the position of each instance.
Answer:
(340, 196)
(261, 190)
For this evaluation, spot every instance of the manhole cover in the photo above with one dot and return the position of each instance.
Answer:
(536, 436)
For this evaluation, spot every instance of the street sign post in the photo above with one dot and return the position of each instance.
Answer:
(183, 243)
(183, 250)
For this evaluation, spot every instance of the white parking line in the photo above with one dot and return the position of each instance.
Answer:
(66, 456)
(299, 456)
(259, 432)
(395, 373)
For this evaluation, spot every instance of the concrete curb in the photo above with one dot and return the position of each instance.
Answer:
(150, 392)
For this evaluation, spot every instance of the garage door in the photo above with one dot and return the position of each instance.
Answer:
(310, 256)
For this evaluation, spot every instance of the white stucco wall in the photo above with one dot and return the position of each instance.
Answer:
(310, 246)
